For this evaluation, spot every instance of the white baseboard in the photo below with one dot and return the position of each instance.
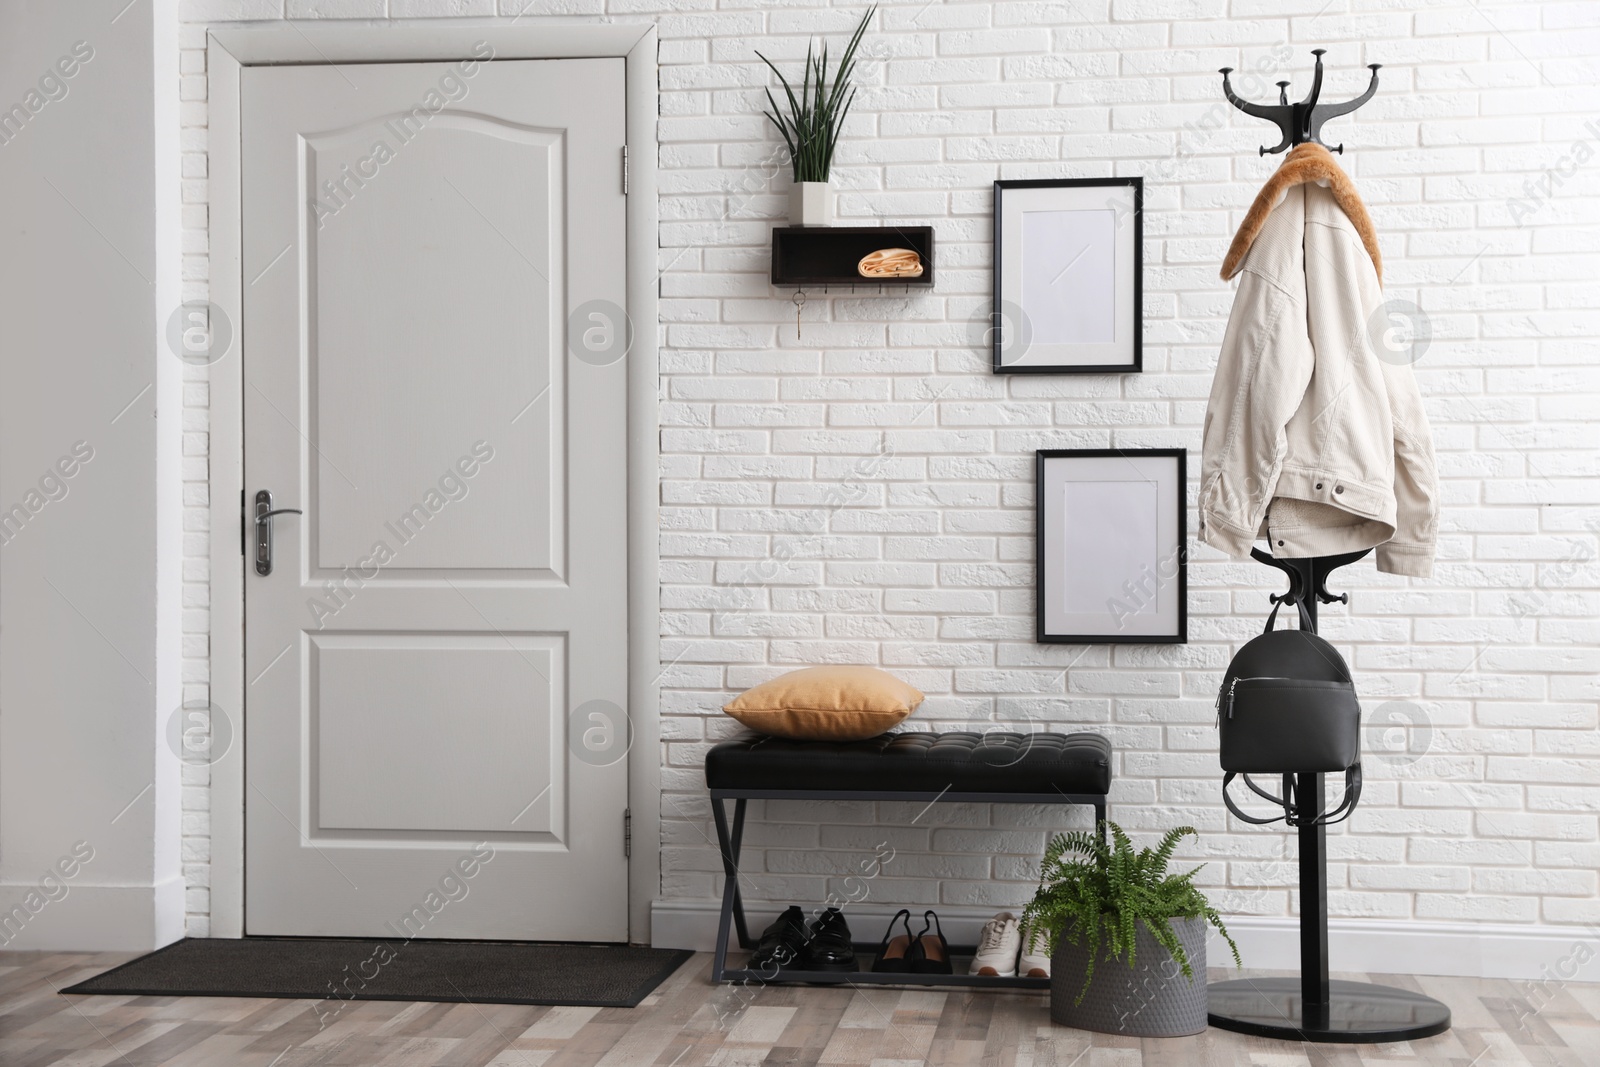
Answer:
(1361, 946)
(94, 918)
(1466, 950)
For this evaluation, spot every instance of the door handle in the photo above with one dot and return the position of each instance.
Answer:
(264, 513)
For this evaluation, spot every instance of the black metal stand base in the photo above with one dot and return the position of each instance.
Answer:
(1356, 1012)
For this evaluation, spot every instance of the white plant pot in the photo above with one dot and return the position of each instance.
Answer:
(811, 204)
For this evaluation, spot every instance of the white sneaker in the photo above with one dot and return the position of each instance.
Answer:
(997, 947)
(1034, 960)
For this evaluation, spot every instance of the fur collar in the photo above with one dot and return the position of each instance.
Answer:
(1305, 163)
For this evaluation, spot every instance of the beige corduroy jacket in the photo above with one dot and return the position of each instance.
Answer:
(1311, 441)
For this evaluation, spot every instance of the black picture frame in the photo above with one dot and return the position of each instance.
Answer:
(1007, 324)
(1175, 547)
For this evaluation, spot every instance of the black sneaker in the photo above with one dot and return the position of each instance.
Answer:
(781, 942)
(828, 946)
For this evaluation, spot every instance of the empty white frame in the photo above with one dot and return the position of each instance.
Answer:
(1112, 546)
(1068, 276)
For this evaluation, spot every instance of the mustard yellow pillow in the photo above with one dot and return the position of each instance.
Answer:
(826, 704)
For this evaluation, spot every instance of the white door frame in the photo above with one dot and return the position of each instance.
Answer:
(231, 48)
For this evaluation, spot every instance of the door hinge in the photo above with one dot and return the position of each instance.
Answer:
(624, 170)
(242, 524)
(627, 833)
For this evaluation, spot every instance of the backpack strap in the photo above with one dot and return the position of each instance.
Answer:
(1352, 797)
(1305, 617)
(1346, 808)
(1227, 780)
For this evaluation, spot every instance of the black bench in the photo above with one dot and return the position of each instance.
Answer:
(985, 768)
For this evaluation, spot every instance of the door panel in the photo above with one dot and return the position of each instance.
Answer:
(455, 591)
(468, 713)
(481, 204)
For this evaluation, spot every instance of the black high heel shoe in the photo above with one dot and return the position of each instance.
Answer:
(896, 953)
(932, 950)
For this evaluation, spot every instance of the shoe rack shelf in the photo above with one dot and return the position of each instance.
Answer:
(790, 974)
(733, 924)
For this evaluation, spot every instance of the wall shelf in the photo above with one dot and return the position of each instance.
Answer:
(807, 256)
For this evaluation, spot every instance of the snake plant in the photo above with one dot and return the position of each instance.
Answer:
(810, 125)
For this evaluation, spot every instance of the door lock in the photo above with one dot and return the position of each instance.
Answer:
(264, 513)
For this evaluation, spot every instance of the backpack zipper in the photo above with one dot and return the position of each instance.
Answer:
(1233, 685)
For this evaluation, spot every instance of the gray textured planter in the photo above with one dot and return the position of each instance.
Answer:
(1150, 999)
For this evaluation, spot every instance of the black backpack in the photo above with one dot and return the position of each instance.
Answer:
(1287, 706)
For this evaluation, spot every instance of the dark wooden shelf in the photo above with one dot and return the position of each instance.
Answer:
(827, 255)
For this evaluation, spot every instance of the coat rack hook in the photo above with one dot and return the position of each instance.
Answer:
(1325, 566)
(1316, 80)
(1308, 578)
(1300, 123)
(1297, 589)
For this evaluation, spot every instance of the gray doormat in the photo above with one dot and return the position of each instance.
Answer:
(335, 969)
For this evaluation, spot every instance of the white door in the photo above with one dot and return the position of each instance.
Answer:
(436, 663)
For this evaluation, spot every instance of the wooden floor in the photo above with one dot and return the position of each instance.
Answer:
(690, 1023)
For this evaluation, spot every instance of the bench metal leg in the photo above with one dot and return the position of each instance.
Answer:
(730, 843)
(739, 923)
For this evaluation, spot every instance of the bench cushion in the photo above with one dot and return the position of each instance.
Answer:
(961, 761)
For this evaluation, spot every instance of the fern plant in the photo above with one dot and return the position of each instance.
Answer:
(1095, 894)
(810, 126)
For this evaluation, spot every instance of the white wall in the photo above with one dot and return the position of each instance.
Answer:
(1466, 159)
(86, 780)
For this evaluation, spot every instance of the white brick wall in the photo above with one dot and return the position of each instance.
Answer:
(863, 493)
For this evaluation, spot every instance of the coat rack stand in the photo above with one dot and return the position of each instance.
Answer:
(1314, 1007)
